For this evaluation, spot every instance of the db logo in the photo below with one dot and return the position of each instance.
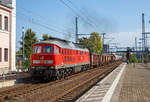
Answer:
(41, 57)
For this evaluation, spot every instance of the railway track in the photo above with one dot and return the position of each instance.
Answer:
(7, 77)
(14, 76)
(75, 92)
(61, 90)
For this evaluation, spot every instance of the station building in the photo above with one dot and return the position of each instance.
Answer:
(7, 35)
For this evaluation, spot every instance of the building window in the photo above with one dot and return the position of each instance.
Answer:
(5, 54)
(0, 21)
(0, 54)
(6, 23)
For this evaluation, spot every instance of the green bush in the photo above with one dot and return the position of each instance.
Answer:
(139, 61)
(133, 59)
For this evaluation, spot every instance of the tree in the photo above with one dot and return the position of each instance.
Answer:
(133, 59)
(149, 57)
(93, 43)
(19, 53)
(29, 39)
(85, 41)
(97, 45)
(45, 37)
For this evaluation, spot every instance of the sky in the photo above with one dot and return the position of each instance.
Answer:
(119, 19)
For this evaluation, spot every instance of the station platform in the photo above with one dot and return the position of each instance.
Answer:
(127, 83)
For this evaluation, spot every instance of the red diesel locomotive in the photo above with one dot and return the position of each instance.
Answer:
(57, 58)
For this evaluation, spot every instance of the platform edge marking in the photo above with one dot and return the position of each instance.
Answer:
(111, 90)
(85, 96)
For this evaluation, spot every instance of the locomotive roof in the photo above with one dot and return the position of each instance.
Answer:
(64, 44)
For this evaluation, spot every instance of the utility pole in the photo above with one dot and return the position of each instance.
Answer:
(76, 20)
(140, 49)
(136, 47)
(23, 45)
(143, 32)
(135, 44)
(143, 37)
(103, 34)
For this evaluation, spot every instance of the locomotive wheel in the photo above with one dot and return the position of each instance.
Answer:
(45, 78)
(70, 71)
(58, 77)
(83, 68)
(62, 73)
(66, 72)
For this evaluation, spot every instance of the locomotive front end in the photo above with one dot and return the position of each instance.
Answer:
(42, 55)
(42, 60)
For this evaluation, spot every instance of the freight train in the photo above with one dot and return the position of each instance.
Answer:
(57, 58)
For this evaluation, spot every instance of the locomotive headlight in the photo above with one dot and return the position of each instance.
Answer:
(48, 61)
(36, 61)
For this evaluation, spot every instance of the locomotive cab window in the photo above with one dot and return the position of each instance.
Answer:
(62, 51)
(37, 49)
(48, 49)
(57, 50)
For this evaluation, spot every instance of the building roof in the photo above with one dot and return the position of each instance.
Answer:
(6, 3)
(64, 44)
